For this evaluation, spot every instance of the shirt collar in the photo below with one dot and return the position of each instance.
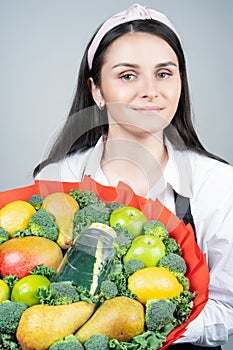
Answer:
(177, 172)
(93, 164)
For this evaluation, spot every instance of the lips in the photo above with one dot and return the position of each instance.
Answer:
(148, 109)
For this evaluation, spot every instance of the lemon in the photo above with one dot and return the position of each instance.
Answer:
(25, 289)
(4, 291)
(16, 215)
(154, 282)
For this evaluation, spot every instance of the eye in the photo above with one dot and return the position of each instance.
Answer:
(127, 76)
(164, 75)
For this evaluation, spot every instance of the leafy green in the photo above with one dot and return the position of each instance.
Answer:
(118, 276)
(22, 233)
(64, 292)
(114, 205)
(4, 235)
(85, 198)
(146, 341)
(8, 342)
(184, 305)
(11, 280)
(88, 215)
(43, 270)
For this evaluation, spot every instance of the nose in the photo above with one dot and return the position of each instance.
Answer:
(149, 88)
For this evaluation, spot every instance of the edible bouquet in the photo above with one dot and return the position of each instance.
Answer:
(85, 266)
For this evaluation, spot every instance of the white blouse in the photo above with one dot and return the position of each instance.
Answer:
(209, 185)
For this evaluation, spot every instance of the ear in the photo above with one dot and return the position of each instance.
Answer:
(96, 93)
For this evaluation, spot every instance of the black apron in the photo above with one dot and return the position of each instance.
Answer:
(183, 211)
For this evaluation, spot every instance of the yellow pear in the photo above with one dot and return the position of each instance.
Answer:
(42, 325)
(63, 206)
(119, 318)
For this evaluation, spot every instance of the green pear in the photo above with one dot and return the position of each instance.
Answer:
(119, 318)
(42, 325)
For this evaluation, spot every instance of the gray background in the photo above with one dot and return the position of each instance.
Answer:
(42, 42)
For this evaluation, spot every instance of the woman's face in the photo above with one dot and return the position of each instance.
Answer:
(140, 83)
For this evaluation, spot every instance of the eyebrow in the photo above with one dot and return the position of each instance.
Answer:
(136, 66)
(165, 64)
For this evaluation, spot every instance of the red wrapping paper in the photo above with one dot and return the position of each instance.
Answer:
(196, 261)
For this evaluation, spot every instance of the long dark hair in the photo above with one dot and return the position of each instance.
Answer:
(85, 123)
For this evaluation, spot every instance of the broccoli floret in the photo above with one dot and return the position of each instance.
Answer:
(36, 201)
(122, 244)
(43, 224)
(108, 289)
(68, 343)
(63, 292)
(86, 198)
(155, 228)
(4, 235)
(8, 342)
(10, 314)
(114, 205)
(123, 240)
(88, 215)
(132, 266)
(97, 342)
(174, 263)
(172, 246)
(159, 313)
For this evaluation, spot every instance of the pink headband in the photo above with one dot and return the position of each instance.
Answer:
(135, 12)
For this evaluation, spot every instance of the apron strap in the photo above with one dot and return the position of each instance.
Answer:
(183, 210)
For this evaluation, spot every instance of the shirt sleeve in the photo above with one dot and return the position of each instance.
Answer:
(214, 324)
(69, 169)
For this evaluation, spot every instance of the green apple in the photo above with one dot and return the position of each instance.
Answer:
(147, 248)
(129, 217)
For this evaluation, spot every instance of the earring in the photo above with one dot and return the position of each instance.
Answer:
(101, 105)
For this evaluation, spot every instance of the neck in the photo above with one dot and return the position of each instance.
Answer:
(138, 161)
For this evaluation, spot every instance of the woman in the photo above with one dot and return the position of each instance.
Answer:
(134, 71)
